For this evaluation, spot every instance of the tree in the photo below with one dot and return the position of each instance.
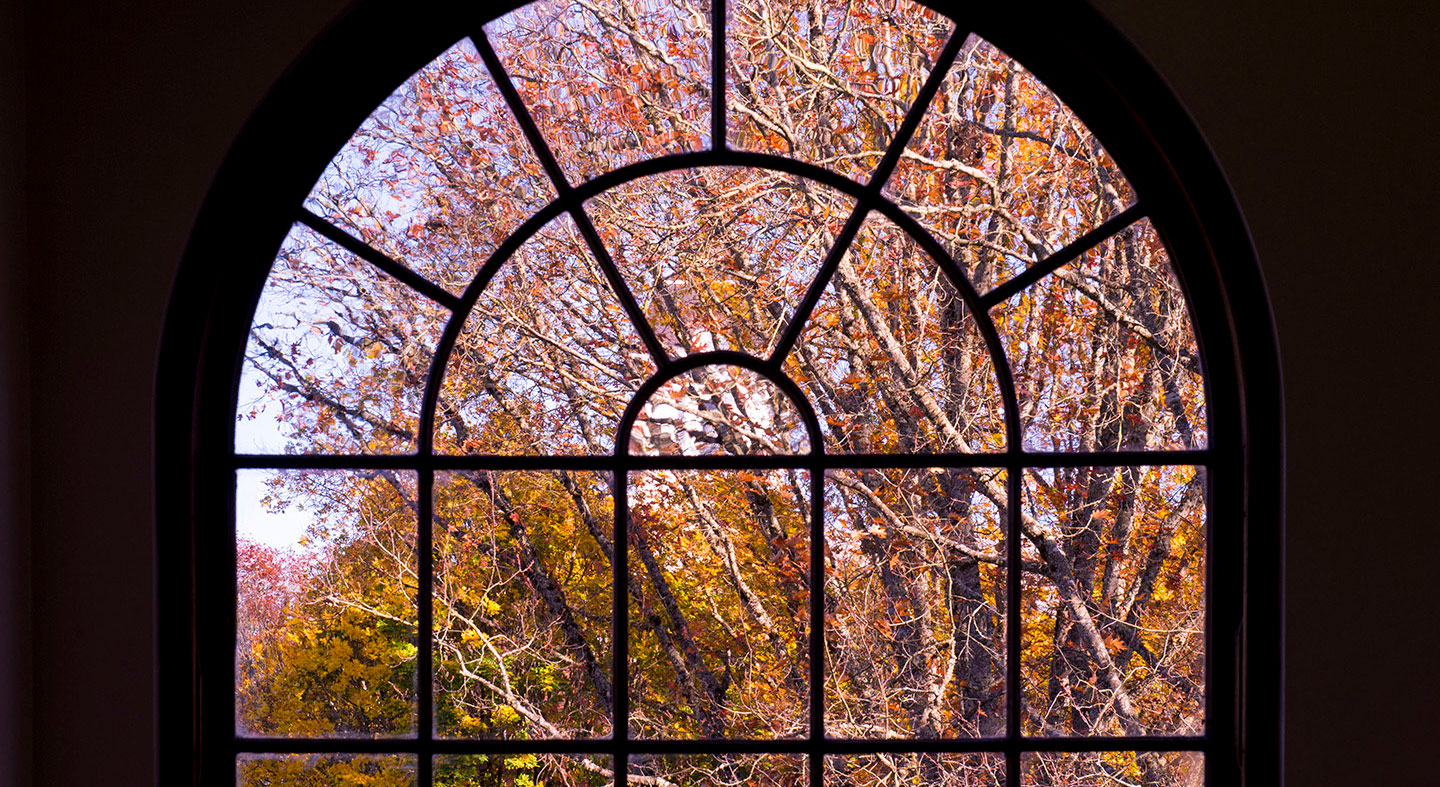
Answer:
(895, 357)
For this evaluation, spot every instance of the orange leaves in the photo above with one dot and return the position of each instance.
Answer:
(893, 358)
(816, 92)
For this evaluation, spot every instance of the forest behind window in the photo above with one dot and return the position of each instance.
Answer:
(846, 395)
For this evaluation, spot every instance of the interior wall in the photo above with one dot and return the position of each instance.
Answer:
(15, 666)
(1319, 112)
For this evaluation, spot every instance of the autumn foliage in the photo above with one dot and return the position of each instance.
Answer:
(911, 346)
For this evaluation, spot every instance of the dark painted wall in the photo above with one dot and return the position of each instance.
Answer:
(114, 117)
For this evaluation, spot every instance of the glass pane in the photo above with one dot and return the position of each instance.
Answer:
(719, 410)
(827, 82)
(439, 175)
(1114, 627)
(910, 769)
(606, 85)
(719, 603)
(719, 770)
(1001, 172)
(547, 360)
(523, 604)
(1104, 355)
(1112, 769)
(915, 583)
(891, 358)
(326, 618)
(324, 770)
(719, 257)
(524, 770)
(338, 355)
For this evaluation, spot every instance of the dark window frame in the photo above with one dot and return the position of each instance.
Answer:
(1067, 45)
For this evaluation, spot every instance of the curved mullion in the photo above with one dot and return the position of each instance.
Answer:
(441, 360)
(966, 290)
(369, 254)
(719, 358)
(564, 189)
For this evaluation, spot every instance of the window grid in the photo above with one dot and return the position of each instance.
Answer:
(1015, 459)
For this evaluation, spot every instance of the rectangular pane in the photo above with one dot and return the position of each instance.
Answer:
(523, 604)
(915, 582)
(324, 770)
(719, 770)
(719, 603)
(326, 610)
(524, 770)
(904, 769)
(1112, 769)
(1114, 628)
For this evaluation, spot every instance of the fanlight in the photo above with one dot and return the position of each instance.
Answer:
(745, 417)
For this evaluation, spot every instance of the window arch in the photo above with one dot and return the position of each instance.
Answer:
(711, 406)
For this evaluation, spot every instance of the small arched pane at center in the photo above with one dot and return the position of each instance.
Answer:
(719, 410)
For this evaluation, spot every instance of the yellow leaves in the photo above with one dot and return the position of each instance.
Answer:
(470, 723)
(505, 716)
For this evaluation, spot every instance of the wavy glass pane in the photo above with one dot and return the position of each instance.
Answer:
(324, 770)
(907, 769)
(1103, 352)
(1112, 769)
(916, 587)
(439, 174)
(891, 359)
(547, 360)
(719, 257)
(523, 597)
(826, 82)
(337, 358)
(326, 615)
(1114, 627)
(719, 410)
(720, 770)
(610, 84)
(719, 603)
(524, 770)
(1001, 172)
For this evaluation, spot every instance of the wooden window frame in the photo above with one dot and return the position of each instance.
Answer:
(352, 68)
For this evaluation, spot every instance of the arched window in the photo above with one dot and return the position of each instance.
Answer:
(688, 392)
